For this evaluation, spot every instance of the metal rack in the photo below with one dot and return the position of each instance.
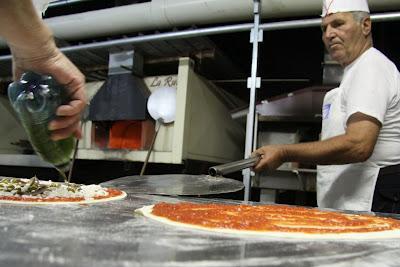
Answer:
(254, 82)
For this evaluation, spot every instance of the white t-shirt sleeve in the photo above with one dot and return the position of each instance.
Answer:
(367, 91)
(41, 6)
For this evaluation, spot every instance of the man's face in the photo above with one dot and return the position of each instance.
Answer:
(344, 38)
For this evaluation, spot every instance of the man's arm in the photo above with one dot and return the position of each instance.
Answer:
(21, 26)
(356, 145)
(33, 49)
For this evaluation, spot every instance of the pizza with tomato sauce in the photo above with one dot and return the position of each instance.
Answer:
(35, 191)
(273, 220)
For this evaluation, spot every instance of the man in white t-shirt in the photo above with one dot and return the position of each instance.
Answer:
(359, 151)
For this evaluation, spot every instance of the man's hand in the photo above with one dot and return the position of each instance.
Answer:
(48, 59)
(271, 157)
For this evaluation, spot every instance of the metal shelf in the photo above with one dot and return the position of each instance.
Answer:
(289, 119)
(23, 160)
(289, 179)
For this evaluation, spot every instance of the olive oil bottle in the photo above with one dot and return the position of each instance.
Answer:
(35, 98)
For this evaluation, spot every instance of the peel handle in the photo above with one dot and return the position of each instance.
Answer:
(234, 166)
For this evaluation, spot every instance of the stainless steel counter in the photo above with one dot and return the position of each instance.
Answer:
(110, 234)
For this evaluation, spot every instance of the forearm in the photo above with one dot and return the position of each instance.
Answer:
(336, 150)
(356, 145)
(21, 26)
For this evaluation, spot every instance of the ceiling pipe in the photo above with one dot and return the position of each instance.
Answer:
(161, 14)
(62, 3)
(293, 24)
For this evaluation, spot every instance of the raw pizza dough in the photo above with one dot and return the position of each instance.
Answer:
(388, 234)
(57, 194)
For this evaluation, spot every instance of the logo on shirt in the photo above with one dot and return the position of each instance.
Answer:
(325, 111)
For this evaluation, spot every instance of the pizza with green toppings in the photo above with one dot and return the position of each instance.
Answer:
(35, 191)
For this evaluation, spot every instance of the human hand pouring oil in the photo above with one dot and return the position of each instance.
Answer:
(35, 98)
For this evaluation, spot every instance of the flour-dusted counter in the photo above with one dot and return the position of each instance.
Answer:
(111, 234)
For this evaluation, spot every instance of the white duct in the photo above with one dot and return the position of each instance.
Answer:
(160, 14)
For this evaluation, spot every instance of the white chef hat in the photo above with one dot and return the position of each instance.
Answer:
(334, 6)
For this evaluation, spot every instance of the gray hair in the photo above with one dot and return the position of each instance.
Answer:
(359, 15)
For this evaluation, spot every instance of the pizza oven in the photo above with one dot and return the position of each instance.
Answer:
(123, 96)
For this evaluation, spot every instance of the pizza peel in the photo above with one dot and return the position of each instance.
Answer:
(161, 106)
(185, 184)
(175, 184)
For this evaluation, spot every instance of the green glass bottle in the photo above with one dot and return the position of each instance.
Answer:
(35, 98)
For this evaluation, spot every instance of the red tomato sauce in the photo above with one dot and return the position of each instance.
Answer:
(275, 218)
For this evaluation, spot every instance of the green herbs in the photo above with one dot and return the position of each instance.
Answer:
(33, 187)
(19, 187)
(74, 188)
